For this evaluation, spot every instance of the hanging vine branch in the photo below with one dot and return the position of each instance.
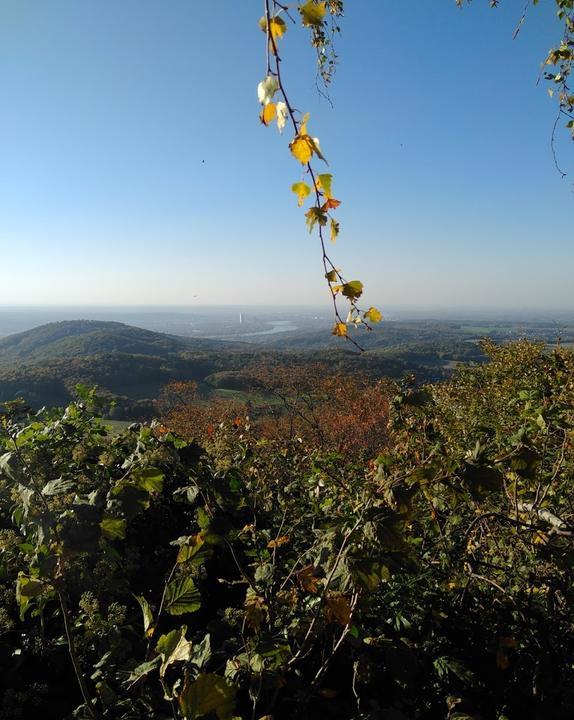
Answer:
(321, 19)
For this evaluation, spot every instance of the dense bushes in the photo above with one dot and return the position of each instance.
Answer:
(144, 575)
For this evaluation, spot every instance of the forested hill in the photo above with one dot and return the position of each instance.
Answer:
(81, 338)
(43, 365)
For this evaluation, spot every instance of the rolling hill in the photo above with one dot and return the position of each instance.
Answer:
(82, 338)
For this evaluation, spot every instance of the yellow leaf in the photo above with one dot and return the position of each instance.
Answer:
(373, 315)
(303, 126)
(277, 26)
(302, 190)
(268, 114)
(340, 329)
(301, 149)
(313, 13)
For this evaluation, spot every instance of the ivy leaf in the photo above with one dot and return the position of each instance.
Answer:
(373, 315)
(302, 190)
(268, 113)
(182, 597)
(340, 329)
(313, 13)
(301, 148)
(208, 694)
(353, 289)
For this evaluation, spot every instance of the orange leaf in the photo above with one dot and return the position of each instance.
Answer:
(283, 540)
(338, 609)
(307, 579)
(331, 204)
(255, 610)
(340, 329)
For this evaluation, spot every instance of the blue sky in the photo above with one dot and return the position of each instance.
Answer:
(134, 170)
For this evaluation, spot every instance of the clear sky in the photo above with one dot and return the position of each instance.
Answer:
(134, 170)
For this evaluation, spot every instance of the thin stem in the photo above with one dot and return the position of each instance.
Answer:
(74, 655)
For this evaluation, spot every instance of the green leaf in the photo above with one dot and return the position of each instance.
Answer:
(149, 479)
(315, 215)
(182, 597)
(113, 528)
(325, 181)
(142, 670)
(334, 229)
(26, 589)
(197, 547)
(57, 487)
(146, 611)
(201, 652)
(208, 694)
(352, 289)
(172, 648)
(332, 276)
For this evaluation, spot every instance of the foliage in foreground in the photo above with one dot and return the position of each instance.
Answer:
(143, 576)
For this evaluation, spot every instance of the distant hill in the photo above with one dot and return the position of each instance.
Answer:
(129, 364)
(83, 338)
